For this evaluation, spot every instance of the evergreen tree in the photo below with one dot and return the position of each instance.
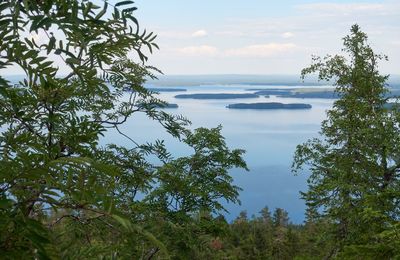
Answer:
(354, 182)
(266, 215)
(280, 218)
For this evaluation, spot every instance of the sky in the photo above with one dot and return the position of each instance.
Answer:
(258, 36)
(263, 36)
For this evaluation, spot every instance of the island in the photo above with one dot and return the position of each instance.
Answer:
(313, 94)
(167, 89)
(269, 105)
(273, 91)
(327, 93)
(168, 105)
(216, 96)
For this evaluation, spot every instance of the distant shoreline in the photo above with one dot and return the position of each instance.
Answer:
(216, 96)
(247, 79)
(234, 79)
(269, 105)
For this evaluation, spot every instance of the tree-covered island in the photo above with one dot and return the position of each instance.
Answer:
(216, 96)
(269, 105)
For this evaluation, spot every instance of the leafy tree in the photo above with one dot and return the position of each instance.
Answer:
(62, 195)
(354, 183)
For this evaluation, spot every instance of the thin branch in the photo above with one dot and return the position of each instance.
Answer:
(130, 139)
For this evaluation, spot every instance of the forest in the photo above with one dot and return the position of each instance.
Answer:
(64, 195)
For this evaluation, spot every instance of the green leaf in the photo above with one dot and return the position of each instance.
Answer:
(124, 222)
(37, 60)
(30, 54)
(124, 3)
(135, 228)
(87, 9)
(51, 45)
(44, 23)
(100, 14)
(73, 61)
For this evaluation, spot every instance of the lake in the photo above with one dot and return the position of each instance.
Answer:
(268, 136)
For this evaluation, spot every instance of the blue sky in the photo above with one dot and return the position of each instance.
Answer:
(261, 36)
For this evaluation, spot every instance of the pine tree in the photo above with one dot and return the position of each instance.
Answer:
(354, 181)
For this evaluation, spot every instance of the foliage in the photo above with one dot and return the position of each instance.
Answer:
(354, 183)
(266, 236)
(62, 195)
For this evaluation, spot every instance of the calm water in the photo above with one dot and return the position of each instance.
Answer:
(268, 136)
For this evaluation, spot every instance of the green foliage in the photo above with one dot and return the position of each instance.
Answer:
(354, 183)
(266, 237)
(62, 195)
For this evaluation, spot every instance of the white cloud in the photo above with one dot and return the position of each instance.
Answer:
(256, 50)
(287, 35)
(199, 50)
(199, 33)
(281, 44)
(261, 50)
